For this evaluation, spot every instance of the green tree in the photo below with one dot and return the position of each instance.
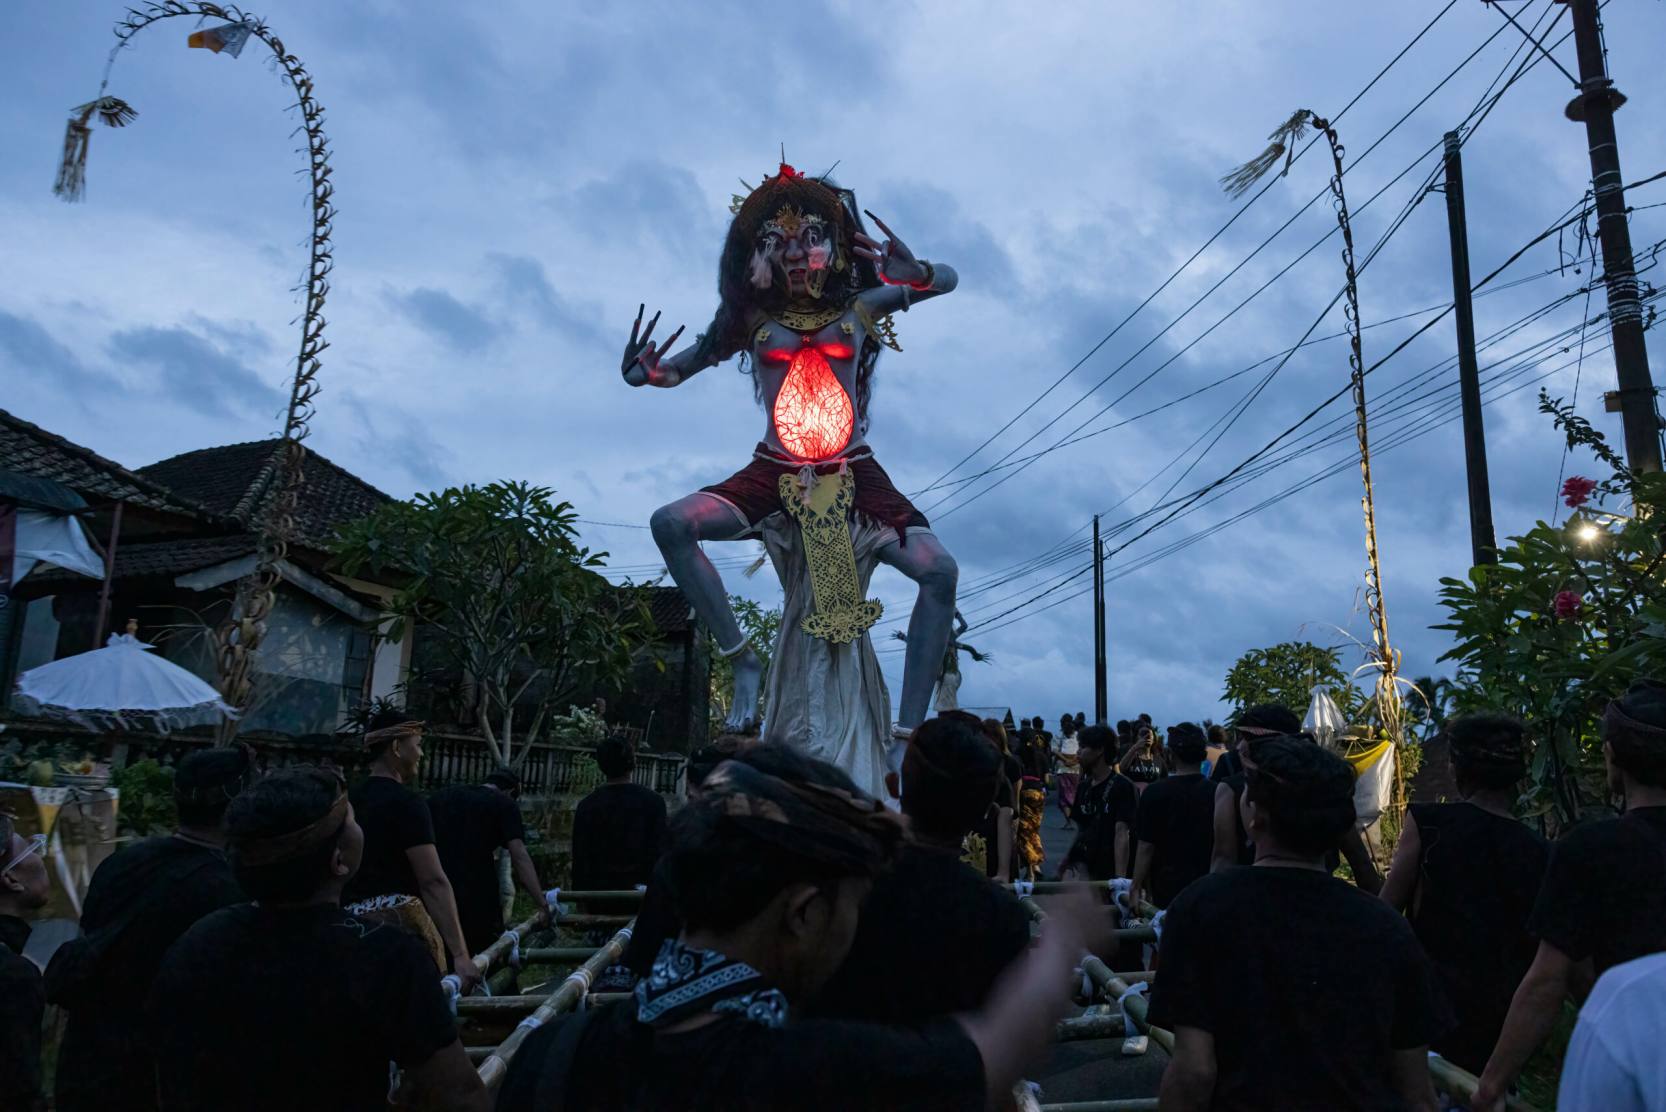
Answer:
(1566, 619)
(761, 625)
(496, 577)
(1286, 674)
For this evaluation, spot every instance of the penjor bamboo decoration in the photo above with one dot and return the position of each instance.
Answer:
(1385, 661)
(240, 635)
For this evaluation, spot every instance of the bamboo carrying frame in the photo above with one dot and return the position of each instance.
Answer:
(575, 989)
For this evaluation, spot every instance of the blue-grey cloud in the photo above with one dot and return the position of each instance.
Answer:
(29, 350)
(441, 315)
(195, 373)
(524, 284)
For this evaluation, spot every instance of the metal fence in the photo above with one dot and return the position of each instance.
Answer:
(547, 770)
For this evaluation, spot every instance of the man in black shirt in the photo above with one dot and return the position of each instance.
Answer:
(290, 1002)
(934, 934)
(401, 865)
(1175, 822)
(1257, 723)
(1603, 900)
(471, 823)
(1103, 812)
(1325, 999)
(23, 888)
(770, 872)
(140, 901)
(618, 829)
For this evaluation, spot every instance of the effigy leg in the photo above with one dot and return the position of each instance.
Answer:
(678, 530)
(924, 560)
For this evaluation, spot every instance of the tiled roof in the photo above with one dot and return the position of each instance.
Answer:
(160, 558)
(239, 480)
(28, 449)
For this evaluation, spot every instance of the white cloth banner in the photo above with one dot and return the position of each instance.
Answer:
(56, 539)
(829, 700)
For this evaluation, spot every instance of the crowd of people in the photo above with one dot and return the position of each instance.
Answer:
(800, 945)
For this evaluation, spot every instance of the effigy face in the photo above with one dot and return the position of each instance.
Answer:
(794, 252)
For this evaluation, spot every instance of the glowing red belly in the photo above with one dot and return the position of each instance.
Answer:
(813, 414)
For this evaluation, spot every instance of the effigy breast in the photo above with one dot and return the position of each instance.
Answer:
(813, 415)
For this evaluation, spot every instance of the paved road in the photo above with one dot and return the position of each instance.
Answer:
(1092, 1070)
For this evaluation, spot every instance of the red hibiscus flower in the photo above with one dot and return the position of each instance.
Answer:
(1577, 491)
(1568, 605)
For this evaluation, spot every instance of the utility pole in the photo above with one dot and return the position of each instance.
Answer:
(1469, 376)
(1101, 703)
(1595, 106)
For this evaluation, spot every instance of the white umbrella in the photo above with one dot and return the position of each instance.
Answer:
(122, 682)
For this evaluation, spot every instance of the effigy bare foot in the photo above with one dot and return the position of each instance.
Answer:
(743, 705)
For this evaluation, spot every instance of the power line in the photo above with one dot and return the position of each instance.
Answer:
(1190, 259)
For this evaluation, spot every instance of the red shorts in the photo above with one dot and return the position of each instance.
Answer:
(755, 493)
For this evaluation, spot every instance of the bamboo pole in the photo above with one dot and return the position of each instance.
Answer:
(587, 921)
(490, 956)
(496, 1065)
(552, 954)
(1083, 1027)
(1137, 1104)
(1113, 986)
(600, 894)
(489, 1008)
(1461, 1083)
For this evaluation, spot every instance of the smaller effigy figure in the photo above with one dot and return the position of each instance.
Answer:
(948, 682)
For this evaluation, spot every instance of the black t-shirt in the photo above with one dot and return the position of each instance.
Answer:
(1320, 985)
(732, 1065)
(1476, 882)
(1096, 812)
(1177, 816)
(933, 937)
(140, 901)
(282, 1009)
(22, 1003)
(394, 819)
(618, 834)
(1604, 892)
(1230, 764)
(470, 823)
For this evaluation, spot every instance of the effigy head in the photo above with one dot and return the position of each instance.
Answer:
(792, 240)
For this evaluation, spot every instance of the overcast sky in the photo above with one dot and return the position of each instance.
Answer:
(514, 178)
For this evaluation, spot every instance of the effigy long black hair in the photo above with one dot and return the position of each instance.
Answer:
(740, 303)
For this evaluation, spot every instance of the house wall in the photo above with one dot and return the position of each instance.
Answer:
(298, 681)
(392, 660)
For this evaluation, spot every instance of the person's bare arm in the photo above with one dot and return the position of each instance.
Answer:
(1142, 873)
(1533, 1012)
(1015, 1026)
(1003, 843)
(1120, 863)
(441, 903)
(526, 875)
(1354, 851)
(1189, 1081)
(1402, 871)
(1226, 829)
(1409, 1073)
(447, 1082)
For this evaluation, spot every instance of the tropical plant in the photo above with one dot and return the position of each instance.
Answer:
(1566, 619)
(1428, 704)
(146, 804)
(1286, 674)
(761, 626)
(495, 578)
